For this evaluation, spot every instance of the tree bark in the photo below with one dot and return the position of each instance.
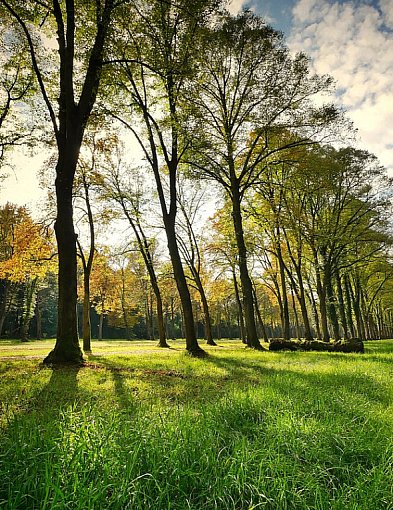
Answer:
(252, 339)
(240, 308)
(341, 306)
(86, 313)
(349, 306)
(284, 295)
(192, 345)
(331, 299)
(67, 348)
(3, 304)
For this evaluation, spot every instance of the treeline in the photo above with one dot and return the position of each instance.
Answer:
(298, 243)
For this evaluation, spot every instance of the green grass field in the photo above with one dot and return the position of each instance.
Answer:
(143, 428)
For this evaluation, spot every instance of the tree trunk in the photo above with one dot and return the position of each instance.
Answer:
(301, 296)
(355, 295)
(349, 306)
(86, 313)
(240, 308)
(341, 306)
(259, 317)
(248, 301)
(331, 299)
(67, 348)
(314, 310)
(205, 308)
(100, 326)
(322, 303)
(298, 335)
(192, 345)
(160, 318)
(284, 296)
(3, 304)
(28, 308)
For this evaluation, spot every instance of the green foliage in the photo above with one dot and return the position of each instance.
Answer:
(239, 430)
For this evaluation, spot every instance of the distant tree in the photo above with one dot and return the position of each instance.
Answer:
(27, 252)
(128, 194)
(190, 205)
(103, 283)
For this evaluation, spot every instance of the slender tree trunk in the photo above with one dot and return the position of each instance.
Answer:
(86, 313)
(331, 306)
(295, 315)
(3, 304)
(314, 309)
(341, 306)
(240, 308)
(349, 306)
(248, 301)
(355, 295)
(192, 345)
(205, 308)
(286, 333)
(322, 303)
(100, 326)
(301, 296)
(259, 317)
(30, 291)
(160, 318)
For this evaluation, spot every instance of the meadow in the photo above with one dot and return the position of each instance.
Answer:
(145, 428)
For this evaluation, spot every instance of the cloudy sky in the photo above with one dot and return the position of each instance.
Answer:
(352, 40)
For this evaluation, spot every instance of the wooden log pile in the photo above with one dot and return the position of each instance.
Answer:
(353, 345)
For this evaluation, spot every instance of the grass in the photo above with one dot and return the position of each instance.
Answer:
(142, 428)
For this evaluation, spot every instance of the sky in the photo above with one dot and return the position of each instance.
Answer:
(351, 40)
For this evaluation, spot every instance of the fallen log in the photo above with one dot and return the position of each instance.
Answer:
(346, 346)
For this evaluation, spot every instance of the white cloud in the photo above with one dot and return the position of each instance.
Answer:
(387, 10)
(353, 43)
(236, 6)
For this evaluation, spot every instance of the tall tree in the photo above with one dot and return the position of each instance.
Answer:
(249, 90)
(158, 60)
(81, 31)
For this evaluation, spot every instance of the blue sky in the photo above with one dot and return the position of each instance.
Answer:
(352, 40)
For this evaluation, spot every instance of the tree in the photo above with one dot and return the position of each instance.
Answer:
(131, 198)
(103, 283)
(15, 86)
(87, 186)
(82, 32)
(249, 90)
(27, 253)
(158, 59)
(189, 245)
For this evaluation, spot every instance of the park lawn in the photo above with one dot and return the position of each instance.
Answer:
(143, 428)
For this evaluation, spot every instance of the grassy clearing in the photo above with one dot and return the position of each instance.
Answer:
(142, 429)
